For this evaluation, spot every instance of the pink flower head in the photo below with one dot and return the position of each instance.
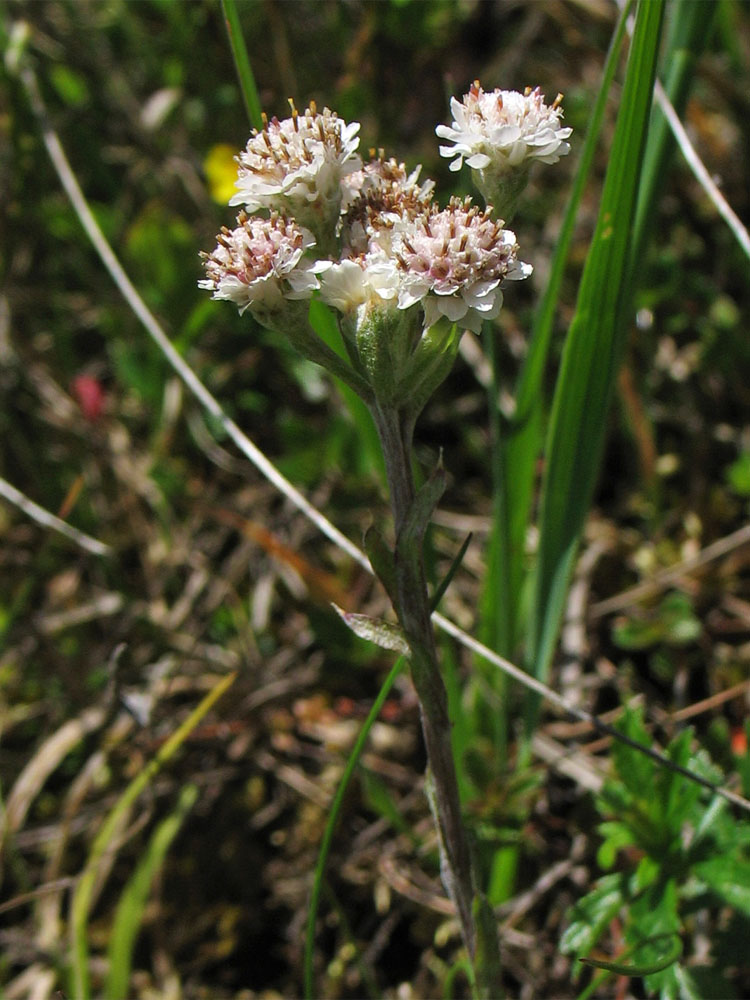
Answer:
(260, 264)
(454, 262)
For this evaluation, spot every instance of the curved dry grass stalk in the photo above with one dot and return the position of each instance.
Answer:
(46, 760)
(51, 521)
(699, 170)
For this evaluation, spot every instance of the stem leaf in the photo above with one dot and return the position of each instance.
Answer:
(382, 633)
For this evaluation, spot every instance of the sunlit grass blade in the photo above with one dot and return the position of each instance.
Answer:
(591, 354)
(133, 901)
(333, 816)
(81, 902)
(242, 63)
(516, 446)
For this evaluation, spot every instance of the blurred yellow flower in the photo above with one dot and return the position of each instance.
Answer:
(220, 168)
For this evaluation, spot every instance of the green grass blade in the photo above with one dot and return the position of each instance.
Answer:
(81, 902)
(592, 352)
(133, 901)
(242, 63)
(454, 567)
(517, 446)
(333, 816)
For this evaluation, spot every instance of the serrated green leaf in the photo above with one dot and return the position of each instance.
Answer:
(678, 795)
(634, 769)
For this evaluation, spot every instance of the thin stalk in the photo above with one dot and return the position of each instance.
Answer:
(413, 610)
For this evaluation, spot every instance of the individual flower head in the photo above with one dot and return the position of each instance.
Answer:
(500, 133)
(379, 196)
(260, 266)
(454, 262)
(297, 165)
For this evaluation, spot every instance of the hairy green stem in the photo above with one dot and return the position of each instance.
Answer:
(413, 610)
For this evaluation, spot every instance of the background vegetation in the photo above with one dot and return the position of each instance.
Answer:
(205, 876)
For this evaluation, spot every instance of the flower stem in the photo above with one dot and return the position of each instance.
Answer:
(413, 610)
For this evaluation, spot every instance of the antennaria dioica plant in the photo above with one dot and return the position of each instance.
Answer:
(512, 623)
(406, 279)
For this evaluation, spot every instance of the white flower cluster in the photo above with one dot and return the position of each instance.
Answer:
(297, 163)
(454, 262)
(382, 243)
(377, 198)
(503, 126)
(261, 263)
(451, 263)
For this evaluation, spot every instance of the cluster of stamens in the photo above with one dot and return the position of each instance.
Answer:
(294, 157)
(382, 196)
(504, 127)
(260, 263)
(459, 245)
